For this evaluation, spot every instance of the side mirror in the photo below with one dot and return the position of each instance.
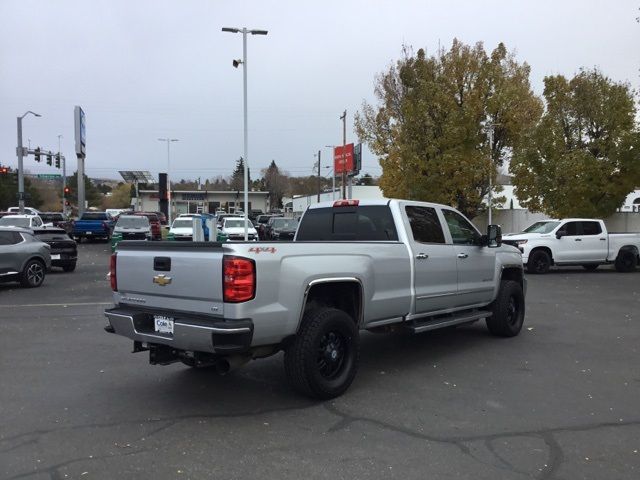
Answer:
(560, 234)
(494, 236)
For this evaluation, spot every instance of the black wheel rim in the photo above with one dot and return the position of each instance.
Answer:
(35, 274)
(541, 264)
(513, 312)
(332, 353)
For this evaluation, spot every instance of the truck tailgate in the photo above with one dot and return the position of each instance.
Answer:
(175, 276)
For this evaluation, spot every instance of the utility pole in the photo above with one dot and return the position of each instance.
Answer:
(20, 153)
(319, 187)
(64, 178)
(343, 117)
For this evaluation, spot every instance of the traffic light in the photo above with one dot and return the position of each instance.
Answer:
(67, 203)
(67, 190)
(57, 160)
(49, 161)
(36, 154)
(4, 170)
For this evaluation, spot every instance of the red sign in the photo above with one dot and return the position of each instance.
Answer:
(343, 163)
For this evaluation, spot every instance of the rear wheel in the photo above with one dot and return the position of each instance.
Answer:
(322, 360)
(33, 274)
(626, 261)
(590, 267)
(508, 310)
(539, 262)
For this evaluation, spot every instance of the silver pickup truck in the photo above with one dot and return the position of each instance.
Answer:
(379, 265)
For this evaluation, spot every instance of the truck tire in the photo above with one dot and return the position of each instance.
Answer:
(626, 261)
(33, 274)
(322, 360)
(508, 310)
(590, 267)
(539, 262)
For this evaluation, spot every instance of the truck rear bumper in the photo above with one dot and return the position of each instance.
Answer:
(191, 333)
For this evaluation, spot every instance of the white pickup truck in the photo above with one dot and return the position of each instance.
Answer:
(377, 265)
(575, 241)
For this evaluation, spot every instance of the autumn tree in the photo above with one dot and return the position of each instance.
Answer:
(120, 197)
(429, 128)
(583, 156)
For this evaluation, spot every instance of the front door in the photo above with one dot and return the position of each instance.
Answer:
(435, 276)
(475, 263)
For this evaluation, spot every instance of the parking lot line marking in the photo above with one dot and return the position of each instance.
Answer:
(58, 304)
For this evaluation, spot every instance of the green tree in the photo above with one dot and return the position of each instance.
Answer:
(429, 129)
(366, 180)
(275, 182)
(237, 177)
(91, 193)
(583, 156)
(9, 191)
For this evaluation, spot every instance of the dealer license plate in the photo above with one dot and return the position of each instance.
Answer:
(55, 257)
(163, 324)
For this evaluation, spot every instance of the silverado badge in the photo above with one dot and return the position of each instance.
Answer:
(162, 280)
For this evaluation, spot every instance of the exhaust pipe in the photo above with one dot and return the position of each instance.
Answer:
(227, 364)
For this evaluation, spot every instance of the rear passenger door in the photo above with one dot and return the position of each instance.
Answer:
(594, 242)
(475, 263)
(434, 262)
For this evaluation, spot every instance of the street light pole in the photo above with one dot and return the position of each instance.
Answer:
(333, 176)
(20, 163)
(168, 140)
(245, 161)
(64, 177)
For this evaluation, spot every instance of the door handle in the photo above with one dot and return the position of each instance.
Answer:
(578, 239)
(422, 256)
(603, 239)
(462, 255)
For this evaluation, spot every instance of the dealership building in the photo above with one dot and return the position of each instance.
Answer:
(202, 201)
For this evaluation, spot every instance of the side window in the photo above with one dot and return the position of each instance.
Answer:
(425, 225)
(571, 229)
(591, 228)
(10, 238)
(462, 232)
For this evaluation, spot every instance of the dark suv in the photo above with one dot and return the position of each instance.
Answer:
(64, 250)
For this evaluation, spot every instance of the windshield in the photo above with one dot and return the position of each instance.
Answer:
(182, 223)
(285, 223)
(237, 223)
(15, 221)
(133, 222)
(541, 227)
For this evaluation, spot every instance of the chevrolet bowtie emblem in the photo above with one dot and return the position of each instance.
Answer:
(162, 280)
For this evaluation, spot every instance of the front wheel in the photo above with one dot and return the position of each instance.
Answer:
(626, 261)
(322, 360)
(33, 274)
(539, 262)
(508, 310)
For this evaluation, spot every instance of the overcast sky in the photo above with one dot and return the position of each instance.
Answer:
(148, 69)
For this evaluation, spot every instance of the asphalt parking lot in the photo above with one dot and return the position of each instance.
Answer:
(562, 400)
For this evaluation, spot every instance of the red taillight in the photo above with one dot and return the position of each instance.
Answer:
(239, 278)
(346, 203)
(112, 273)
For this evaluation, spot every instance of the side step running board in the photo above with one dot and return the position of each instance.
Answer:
(447, 320)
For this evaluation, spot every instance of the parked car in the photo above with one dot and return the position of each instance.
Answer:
(25, 221)
(23, 258)
(93, 225)
(233, 229)
(575, 241)
(63, 249)
(261, 224)
(154, 221)
(58, 220)
(379, 265)
(27, 210)
(281, 228)
(130, 227)
(182, 229)
(220, 218)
